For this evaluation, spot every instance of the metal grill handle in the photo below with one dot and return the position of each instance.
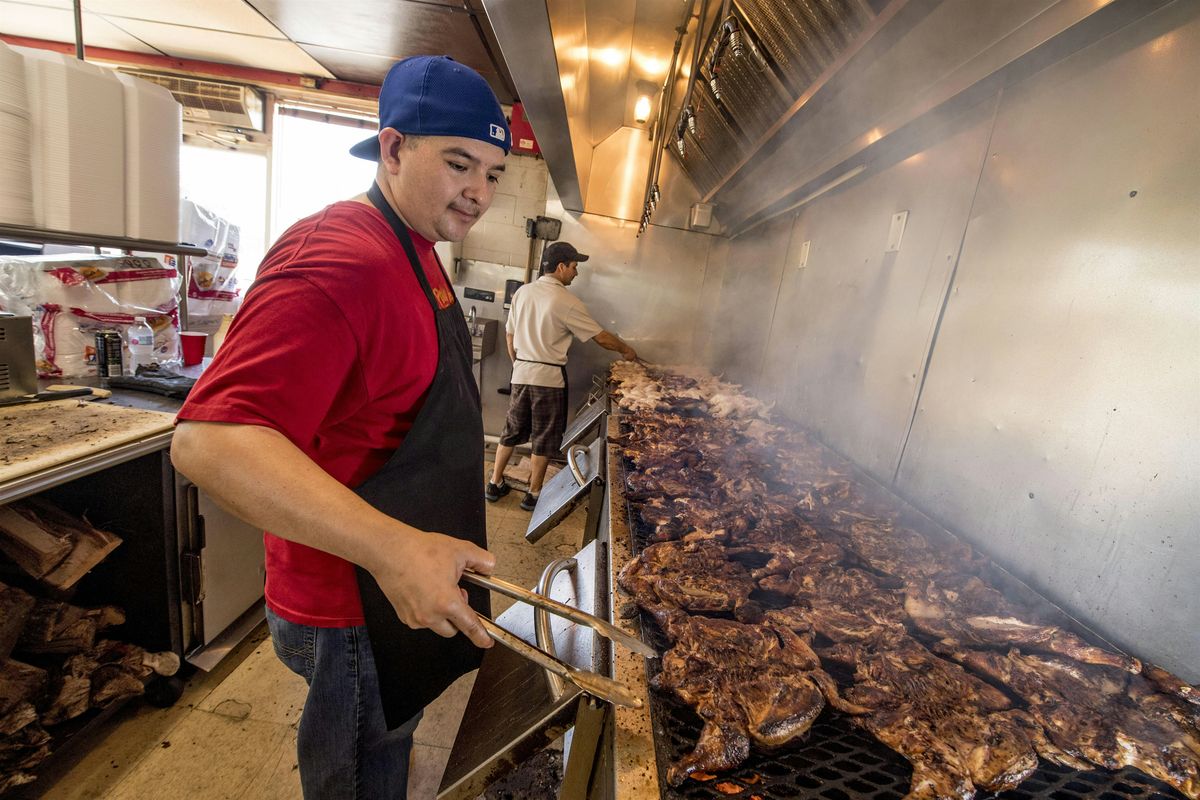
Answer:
(541, 620)
(574, 451)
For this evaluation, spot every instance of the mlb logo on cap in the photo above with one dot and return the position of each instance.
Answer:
(497, 132)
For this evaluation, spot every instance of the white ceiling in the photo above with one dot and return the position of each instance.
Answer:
(351, 40)
(226, 31)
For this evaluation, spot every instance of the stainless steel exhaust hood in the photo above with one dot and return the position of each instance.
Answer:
(786, 95)
(579, 68)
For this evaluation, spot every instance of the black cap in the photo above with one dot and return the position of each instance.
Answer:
(560, 253)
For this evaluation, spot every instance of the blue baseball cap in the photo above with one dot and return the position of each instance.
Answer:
(437, 96)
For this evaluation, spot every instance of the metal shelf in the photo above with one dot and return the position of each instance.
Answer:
(24, 234)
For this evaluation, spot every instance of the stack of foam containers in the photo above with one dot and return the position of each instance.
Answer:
(78, 115)
(16, 165)
(153, 130)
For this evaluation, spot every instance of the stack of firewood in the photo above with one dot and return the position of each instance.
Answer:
(76, 671)
(55, 547)
(54, 664)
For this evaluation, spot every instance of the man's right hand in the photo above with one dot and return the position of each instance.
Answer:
(629, 354)
(258, 475)
(420, 574)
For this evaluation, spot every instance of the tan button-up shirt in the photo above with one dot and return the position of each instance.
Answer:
(543, 318)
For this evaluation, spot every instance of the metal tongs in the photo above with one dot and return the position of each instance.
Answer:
(593, 683)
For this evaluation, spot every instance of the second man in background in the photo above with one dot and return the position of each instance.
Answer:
(543, 319)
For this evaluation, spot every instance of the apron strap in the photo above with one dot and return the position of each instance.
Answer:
(375, 195)
(543, 363)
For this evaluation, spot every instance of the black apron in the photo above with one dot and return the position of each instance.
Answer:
(431, 482)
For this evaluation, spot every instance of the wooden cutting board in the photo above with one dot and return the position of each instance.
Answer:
(39, 436)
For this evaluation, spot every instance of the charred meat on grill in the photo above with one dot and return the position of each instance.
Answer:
(671, 578)
(967, 612)
(747, 683)
(751, 513)
(786, 551)
(956, 731)
(1171, 684)
(843, 605)
(893, 548)
(1086, 711)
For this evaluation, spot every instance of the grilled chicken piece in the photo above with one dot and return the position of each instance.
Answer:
(1090, 712)
(748, 683)
(844, 605)
(957, 731)
(1149, 697)
(647, 485)
(894, 549)
(1171, 684)
(965, 611)
(786, 551)
(658, 513)
(670, 578)
(657, 452)
(708, 518)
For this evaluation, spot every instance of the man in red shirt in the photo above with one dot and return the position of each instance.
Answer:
(342, 417)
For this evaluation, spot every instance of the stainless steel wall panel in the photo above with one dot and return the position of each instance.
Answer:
(1059, 427)
(704, 325)
(740, 323)
(852, 329)
(678, 195)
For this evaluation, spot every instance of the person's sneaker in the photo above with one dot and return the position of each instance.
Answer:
(492, 492)
(529, 502)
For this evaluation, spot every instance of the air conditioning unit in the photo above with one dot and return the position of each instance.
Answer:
(229, 104)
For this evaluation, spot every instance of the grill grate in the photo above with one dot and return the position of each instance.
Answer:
(835, 760)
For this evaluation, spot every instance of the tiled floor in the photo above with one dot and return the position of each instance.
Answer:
(233, 733)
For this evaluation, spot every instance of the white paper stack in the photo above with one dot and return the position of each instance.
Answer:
(16, 167)
(78, 115)
(153, 130)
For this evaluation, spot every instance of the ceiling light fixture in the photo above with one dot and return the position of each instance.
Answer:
(641, 109)
(610, 56)
(644, 107)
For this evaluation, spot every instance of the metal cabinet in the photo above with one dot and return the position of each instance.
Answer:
(222, 572)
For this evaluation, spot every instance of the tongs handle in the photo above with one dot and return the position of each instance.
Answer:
(593, 683)
(600, 626)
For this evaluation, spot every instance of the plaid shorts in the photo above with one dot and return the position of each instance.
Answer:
(538, 415)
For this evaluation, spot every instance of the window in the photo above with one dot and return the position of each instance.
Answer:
(312, 165)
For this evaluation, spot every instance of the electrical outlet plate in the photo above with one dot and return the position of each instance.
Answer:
(896, 232)
(803, 260)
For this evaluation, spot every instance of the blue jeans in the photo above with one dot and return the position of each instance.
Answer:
(345, 750)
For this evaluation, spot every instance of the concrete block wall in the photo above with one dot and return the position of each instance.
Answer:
(500, 236)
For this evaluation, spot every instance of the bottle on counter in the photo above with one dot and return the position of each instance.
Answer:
(141, 345)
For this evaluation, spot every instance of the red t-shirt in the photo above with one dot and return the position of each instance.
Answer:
(335, 347)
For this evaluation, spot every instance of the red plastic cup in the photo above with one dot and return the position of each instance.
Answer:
(193, 347)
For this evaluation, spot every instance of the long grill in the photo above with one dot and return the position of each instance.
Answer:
(835, 760)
